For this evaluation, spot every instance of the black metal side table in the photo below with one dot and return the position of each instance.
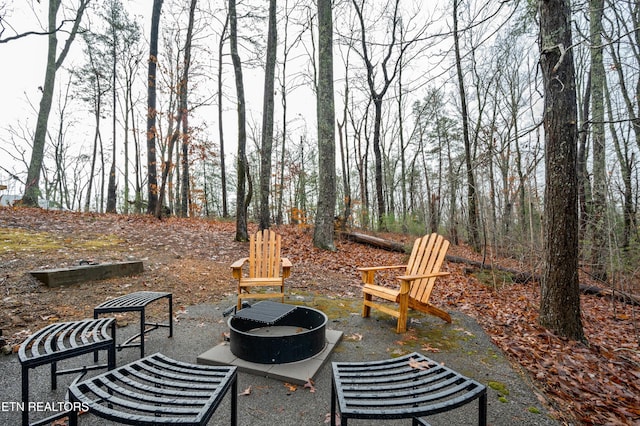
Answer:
(137, 302)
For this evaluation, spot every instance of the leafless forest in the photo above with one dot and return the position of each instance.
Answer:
(441, 119)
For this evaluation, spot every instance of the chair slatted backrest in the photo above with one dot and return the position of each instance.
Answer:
(427, 257)
(264, 254)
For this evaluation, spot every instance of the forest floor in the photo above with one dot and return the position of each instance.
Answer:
(594, 383)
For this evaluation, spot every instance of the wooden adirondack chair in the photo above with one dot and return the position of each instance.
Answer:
(416, 284)
(266, 268)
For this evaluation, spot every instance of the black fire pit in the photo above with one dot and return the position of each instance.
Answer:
(276, 333)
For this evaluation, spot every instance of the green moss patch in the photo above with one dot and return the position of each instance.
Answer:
(13, 240)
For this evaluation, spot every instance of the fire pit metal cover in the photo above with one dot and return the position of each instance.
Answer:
(276, 333)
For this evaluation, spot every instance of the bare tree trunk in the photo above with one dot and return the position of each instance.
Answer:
(111, 187)
(267, 118)
(560, 301)
(96, 136)
(152, 184)
(223, 168)
(599, 229)
(626, 159)
(474, 236)
(377, 95)
(323, 233)
(31, 190)
(581, 165)
(242, 233)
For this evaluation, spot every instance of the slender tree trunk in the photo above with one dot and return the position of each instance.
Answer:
(626, 159)
(96, 136)
(267, 118)
(152, 133)
(223, 169)
(599, 229)
(111, 187)
(560, 301)
(242, 233)
(184, 106)
(474, 236)
(125, 147)
(583, 175)
(31, 190)
(323, 235)
(186, 174)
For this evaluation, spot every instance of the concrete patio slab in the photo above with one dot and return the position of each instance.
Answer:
(298, 372)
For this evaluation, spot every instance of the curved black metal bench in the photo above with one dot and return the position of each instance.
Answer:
(60, 341)
(411, 386)
(157, 390)
(137, 302)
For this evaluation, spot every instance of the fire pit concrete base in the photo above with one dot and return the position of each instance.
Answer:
(292, 372)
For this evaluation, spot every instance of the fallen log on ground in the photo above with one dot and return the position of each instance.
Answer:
(525, 277)
(374, 241)
(516, 276)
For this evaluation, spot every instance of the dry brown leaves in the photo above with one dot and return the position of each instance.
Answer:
(594, 384)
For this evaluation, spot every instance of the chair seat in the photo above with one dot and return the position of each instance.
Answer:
(381, 292)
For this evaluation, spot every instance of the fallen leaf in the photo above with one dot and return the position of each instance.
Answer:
(420, 365)
(356, 337)
(245, 392)
(429, 348)
(310, 385)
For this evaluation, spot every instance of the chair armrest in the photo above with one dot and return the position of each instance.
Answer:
(286, 267)
(236, 267)
(380, 268)
(418, 277)
(369, 272)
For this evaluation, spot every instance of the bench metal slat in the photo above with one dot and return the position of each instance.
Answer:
(405, 390)
(164, 378)
(132, 395)
(57, 340)
(132, 301)
(169, 364)
(148, 383)
(114, 394)
(407, 399)
(395, 389)
(418, 410)
(419, 377)
(151, 388)
(184, 374)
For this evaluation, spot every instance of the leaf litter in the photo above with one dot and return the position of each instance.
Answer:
(598, 383)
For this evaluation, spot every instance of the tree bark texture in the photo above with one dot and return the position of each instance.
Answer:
(223, 169)
(267, 118)
(598, 226)
(560, 301)
(184, 107)
(32, 190)
(242, 233)
(323, 233)
(474, 237)
(111, 186)
(152, 184)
